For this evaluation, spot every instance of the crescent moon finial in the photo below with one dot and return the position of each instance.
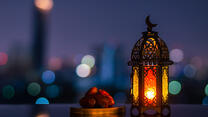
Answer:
(149, 24)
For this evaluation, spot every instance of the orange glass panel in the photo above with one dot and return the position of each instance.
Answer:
(150, 86)
(150, 49)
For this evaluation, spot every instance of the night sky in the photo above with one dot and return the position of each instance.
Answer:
(77, 26)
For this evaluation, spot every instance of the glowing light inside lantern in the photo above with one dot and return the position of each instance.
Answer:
(149, 85)
(150, 93)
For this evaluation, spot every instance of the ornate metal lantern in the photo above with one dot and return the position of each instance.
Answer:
(149, 78)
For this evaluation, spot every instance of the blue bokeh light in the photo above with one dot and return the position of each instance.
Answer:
(205, 101)
(52, 91)
(42, 100)
(190, 71)
(48, 77)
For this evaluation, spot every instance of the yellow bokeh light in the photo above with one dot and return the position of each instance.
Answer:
(44, 5)
(89, 60)
(150, 93)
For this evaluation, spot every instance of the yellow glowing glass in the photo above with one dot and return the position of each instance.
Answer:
(165, 83)
(135, 87)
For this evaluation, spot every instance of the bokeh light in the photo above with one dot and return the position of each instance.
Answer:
(33, 89)
(3, 58)
(42, 115)
(44, 5)
(174, 87)
(55, 63)
(48, 77)
(176, 55)
(205, 101)
(206, 90)
(52, 91)
(83, 70)
(8, 91)
(42, 100)
(189, 71)
(89, 60)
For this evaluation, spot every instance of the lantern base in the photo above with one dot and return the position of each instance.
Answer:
(150, 110)
(158, 110)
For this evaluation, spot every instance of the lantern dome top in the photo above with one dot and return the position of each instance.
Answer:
(150, 49)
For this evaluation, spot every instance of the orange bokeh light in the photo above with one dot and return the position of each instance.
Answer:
(44, 5)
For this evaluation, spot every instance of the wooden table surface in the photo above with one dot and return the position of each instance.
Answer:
(63, 110)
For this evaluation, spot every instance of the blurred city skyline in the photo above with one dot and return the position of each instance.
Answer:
(76, 27)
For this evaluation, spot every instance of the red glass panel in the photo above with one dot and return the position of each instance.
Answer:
(150, 86)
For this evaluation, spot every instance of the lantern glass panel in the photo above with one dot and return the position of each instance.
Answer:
(150, 85)
(150, 48)
(165, 84)
(135, 86)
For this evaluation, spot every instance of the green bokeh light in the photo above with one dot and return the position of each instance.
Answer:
(174, 87)
(8, 92)
(206, 90)
(33, 89)
(89, 60)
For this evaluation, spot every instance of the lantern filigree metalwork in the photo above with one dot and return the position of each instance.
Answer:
(149, 78)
